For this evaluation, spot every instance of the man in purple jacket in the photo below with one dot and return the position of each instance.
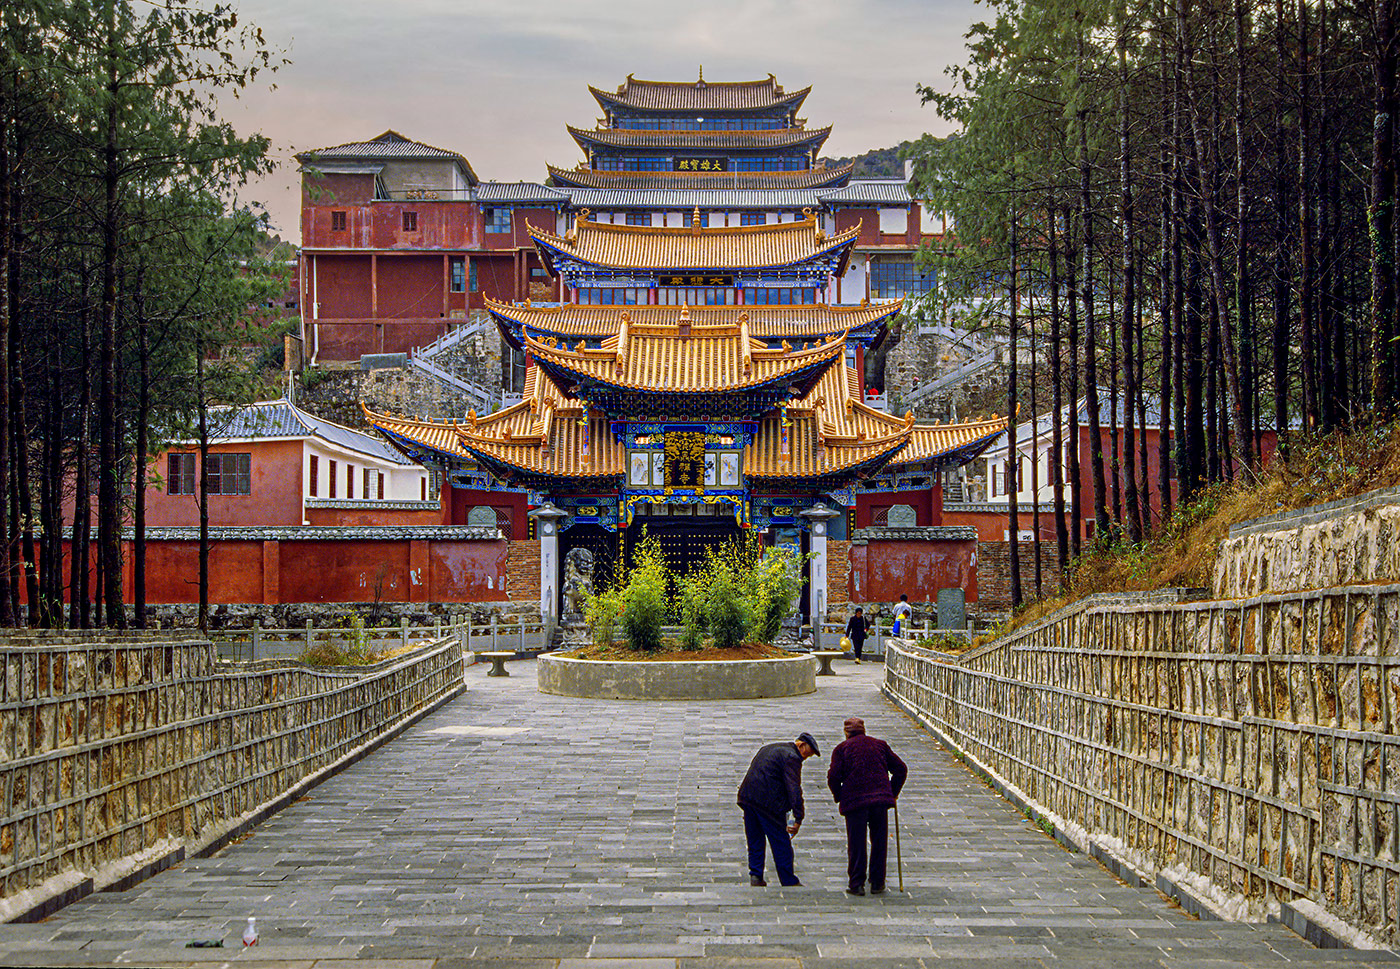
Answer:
(865, 778)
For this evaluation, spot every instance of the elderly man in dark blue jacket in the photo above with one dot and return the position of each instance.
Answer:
(772, 788)
(865, 778)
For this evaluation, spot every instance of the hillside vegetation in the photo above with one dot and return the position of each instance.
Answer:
(1318, 468)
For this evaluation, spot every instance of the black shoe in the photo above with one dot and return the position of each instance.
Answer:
(792, 884)
(878, 891)
(856, 891)
(757, 882)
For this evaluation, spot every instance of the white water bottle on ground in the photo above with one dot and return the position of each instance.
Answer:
(250, 934)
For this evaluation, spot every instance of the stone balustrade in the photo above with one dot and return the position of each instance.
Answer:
(1254, 743)
(115, 750)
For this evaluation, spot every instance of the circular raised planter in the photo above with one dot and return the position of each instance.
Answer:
(745, 679)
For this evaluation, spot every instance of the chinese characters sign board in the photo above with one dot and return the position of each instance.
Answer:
(696, 279)
(685, 459)
(720, 164)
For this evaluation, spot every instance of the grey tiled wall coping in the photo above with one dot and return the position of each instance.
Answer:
(1312, 514)
(326, 533)
(918, 533)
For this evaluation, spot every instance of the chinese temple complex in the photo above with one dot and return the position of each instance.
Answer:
(719, 394)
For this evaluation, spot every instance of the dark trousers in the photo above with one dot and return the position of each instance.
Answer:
(877, 822)
(857, 645)
(757, 827)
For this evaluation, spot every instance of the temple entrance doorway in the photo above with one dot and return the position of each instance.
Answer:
(683, 540)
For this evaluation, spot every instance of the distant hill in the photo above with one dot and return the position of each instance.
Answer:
(876, 163)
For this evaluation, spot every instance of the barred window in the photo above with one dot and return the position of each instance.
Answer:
(337, 221)
(179, 479)
(410, 222)
(229, 474)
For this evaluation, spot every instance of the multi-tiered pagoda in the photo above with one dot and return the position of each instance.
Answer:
(690, 397)
(700, 135)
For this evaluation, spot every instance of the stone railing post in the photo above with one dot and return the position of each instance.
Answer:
(310, 635)
(257, 639)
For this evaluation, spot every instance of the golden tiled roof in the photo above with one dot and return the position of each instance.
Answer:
(676, 355)
(932, 440)
(681, 248)
(830, 431)
(818, 177)
(700, 95)
(699, 140)
(801, 321)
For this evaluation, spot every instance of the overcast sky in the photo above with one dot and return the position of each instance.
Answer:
(498, 80)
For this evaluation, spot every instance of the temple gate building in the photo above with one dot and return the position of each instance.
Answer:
(743, 411)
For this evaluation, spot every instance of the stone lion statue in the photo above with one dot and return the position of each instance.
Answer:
(578, 581)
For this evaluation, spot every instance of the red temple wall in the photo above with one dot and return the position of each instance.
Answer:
(883, 570)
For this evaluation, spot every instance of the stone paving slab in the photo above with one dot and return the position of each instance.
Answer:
(604, 835)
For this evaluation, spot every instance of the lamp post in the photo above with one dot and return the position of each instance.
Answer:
(818, 517)
(547, 518)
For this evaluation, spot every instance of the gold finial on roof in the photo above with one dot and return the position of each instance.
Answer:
(701, 81)
(471, 416)
(685, 312)
(909, 418)
(695, 221)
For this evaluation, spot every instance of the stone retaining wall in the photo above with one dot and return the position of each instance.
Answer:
(117, 751)
(1254, 743)
(1340, 543)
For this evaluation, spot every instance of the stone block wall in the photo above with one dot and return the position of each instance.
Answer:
(1254, 743)
(1341, 543)
(405, 391)
(523, 571)
(117, 750)
(838, 575)
(994, 573)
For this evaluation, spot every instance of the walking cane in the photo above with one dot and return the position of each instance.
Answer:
(898, 856)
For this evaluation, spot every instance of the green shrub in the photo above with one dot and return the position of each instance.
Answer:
(692, 610)
(775, 583)
(601, 611)
(726, 608)
(644, 598)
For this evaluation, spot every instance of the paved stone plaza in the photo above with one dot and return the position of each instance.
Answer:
(514, 830)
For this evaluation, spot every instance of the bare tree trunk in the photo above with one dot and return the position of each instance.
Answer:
(1057, 443)
(1165, 303)
(203, 486)
(1102, 525)
(108, 498)
(80, 603)
(1306, 319)
(143, 413)
(7, 612)
(1013, 480)
(1125, 202)
(1281, 224)
(1380, 213)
